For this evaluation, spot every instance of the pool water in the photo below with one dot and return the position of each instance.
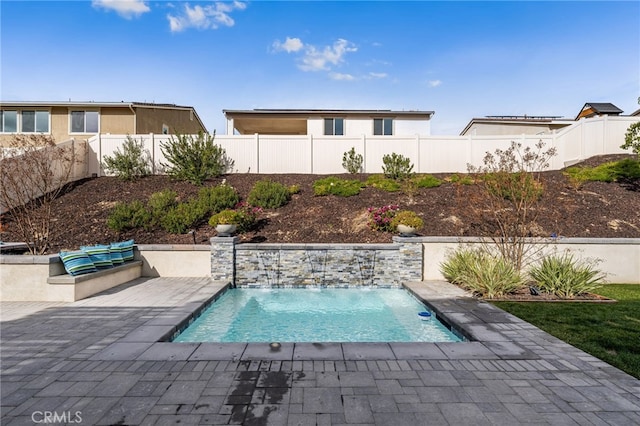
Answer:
(316, 315)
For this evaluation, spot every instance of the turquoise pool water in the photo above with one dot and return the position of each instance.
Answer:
(316, 315)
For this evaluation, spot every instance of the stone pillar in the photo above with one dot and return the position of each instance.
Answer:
(410, 259)
(223, 259)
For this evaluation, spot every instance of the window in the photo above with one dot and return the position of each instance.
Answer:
(8, 121)
(24, 121)
(383, 126)
(84, 122)
(165, 129)
(334, 126)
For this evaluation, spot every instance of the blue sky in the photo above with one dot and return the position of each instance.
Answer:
(459, 59)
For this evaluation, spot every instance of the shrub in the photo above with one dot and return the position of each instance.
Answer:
(245, 217)
(195, 159)
(381, 182)
(336, 186)
(566, 277)
(269, 195)
(352, 162)
(460, 180)
(632, 139)
(131, 163)
(380, 217)
(183, 217)
(407, 218)
(213, 199)
(482, 273)
(128, 216)
(160, 203)
(396, 166)
(294, 189)
(627, 169)
(427, 181)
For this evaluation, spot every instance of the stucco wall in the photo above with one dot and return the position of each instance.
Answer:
(150, 120)
(174, 260)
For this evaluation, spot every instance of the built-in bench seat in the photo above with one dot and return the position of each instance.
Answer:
(82, 286)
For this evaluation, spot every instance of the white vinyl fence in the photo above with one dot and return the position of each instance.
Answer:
(429, 154)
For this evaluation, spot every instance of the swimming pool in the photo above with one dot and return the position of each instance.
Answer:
(316, 315)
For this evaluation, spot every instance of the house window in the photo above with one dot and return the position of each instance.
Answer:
(84, 122)
(334, 126)
(165, 129)
(35, 121)
(8, 121)
(383, 126)
(24, 121)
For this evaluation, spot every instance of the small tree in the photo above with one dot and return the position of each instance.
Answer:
(352, 162)
(396, 166)
(512, 190)
(195, 159)
(34, 173)
(632, 139)
(130, 163)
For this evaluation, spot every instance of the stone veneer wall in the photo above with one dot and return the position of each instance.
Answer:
(248, 265)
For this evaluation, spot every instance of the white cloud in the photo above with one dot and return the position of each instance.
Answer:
(434, 83)
(125, 8)
(207, 17)
(289, 45)
(378, 75)
(340, 76)
(316, 60)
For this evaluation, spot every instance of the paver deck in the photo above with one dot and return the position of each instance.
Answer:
(98, 361)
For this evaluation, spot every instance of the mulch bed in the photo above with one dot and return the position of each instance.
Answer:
(524, 295)
(596, 210)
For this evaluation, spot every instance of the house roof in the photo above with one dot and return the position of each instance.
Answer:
(606, 108)
(92, 104)
(517, 119)
(324, 112)
(635, 113)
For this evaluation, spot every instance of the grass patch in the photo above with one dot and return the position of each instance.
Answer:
(613, 171)
(608, 331)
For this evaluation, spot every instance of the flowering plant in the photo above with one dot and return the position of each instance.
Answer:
(380, 217)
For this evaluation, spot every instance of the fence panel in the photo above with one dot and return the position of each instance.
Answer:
(284, 154)
(328, 152)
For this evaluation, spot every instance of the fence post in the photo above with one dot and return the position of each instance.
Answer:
(153, 154)
(311, 151)
(257, 153)
(99, 154)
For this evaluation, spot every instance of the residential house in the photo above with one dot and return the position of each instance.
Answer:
(498, 125)
(81, 120)
(328, 122)
(592, 109)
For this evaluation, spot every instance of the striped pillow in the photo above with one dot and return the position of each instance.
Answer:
(99, 255)
(126, 249)
(77, 262)
(116, 255)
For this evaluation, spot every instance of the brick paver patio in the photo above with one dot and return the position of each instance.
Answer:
(98, 361)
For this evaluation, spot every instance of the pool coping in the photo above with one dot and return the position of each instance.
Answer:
(485, 326)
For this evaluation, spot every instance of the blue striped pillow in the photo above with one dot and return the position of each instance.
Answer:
(99, 255)
(77, 262)
(126, 248)
(116, 255)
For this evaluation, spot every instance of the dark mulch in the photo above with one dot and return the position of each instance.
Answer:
(595, 210)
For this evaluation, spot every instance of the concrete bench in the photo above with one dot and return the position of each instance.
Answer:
(73, 288)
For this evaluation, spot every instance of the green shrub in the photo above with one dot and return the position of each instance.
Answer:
(407, 218)
(626, 169)
(213, 199)
(383, 183)
(128, 216)
(483, 273)
(269, 195)
(427, 181)
(160, 203)
(294, 189)
(352, 162)
(566, 277)
(632, 139)
(516, 187)
(226, 217)
(460, 180)
(335, 186)
(396, 166)
(195, 159)
(130, 163)
(183, 217)
(244, 217)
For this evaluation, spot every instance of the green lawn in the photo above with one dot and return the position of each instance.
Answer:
(609, 331)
